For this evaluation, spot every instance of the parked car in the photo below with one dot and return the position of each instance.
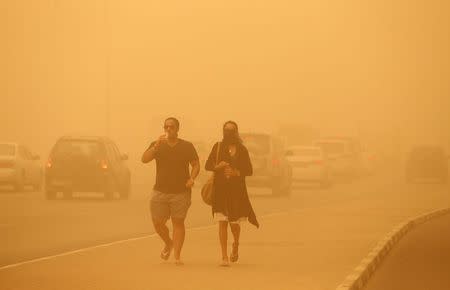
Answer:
(344, 154)
(427, 162)
(270, 167)
(86, 164)
(309, 164)
(19, 167)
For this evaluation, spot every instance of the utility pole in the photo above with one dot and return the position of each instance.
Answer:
(107, 32)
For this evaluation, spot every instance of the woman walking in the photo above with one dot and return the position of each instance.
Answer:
(230, 202)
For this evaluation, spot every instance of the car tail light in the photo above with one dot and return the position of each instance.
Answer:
(104, 164)
(275, 162)
(49, 163)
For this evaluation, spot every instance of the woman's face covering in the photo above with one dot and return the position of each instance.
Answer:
(230, 134)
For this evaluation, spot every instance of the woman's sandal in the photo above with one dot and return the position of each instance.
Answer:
(225, 262)
(234, 257)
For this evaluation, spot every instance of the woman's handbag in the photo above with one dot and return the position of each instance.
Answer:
(208, 187)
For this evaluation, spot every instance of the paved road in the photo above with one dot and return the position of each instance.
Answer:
(311, 240)
(420, 261)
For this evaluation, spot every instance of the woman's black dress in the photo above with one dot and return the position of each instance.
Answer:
(230, 196)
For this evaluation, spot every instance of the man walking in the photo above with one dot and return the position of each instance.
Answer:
(171, 197)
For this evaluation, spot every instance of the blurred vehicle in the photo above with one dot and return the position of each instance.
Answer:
(427, 162)
(86, 164)
(18, 167)
(344, 154)
(370, 162)
(309, 164)
(270, 166)
(202, 149)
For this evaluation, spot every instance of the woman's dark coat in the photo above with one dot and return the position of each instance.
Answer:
(230, 196)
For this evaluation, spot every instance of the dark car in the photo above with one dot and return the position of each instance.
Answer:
(270, 167)
(427, 162)
(86, 164)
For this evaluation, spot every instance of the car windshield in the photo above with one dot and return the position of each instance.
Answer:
(77, 147)
(7, 150)
(332, 147)
(256, 144)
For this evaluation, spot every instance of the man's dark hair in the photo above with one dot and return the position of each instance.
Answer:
(177, 123)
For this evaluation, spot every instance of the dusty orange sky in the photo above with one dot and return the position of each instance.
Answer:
(337, 65)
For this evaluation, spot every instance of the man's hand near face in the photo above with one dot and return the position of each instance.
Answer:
(190, 183)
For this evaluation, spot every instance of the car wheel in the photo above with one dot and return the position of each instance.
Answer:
(19, 185)
(276, 186)
(281, 186)
(325, 183)
(50, 194)
(38, 186)
(287, 187)
(409, 179)
(68, 194)
(287, 191)
(125, 191)
(109, 195)
(109, 191)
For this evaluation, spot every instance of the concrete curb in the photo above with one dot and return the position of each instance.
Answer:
(361, 274)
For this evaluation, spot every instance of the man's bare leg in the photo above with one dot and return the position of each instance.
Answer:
(179, 233)
(163, 231)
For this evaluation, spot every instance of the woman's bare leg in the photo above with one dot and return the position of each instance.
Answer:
(236, 231)
(223, 236)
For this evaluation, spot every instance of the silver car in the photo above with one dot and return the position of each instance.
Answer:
(270, 167)
(18, 167)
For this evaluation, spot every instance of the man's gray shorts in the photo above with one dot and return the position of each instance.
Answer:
(166, 205)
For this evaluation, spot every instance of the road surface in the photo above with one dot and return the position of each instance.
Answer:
(311, 240)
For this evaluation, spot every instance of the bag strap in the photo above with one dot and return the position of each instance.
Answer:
(217, 152)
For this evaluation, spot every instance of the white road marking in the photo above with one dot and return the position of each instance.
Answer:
(109, 244)
(73, 252)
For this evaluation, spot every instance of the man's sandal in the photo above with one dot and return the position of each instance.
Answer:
(165, 254)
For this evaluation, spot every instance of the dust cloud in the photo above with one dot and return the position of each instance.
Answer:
(341, 67)
(375, 70)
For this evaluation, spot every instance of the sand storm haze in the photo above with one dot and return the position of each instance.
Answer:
(299, 72)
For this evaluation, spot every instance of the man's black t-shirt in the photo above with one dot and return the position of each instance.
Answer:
(172, 166)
